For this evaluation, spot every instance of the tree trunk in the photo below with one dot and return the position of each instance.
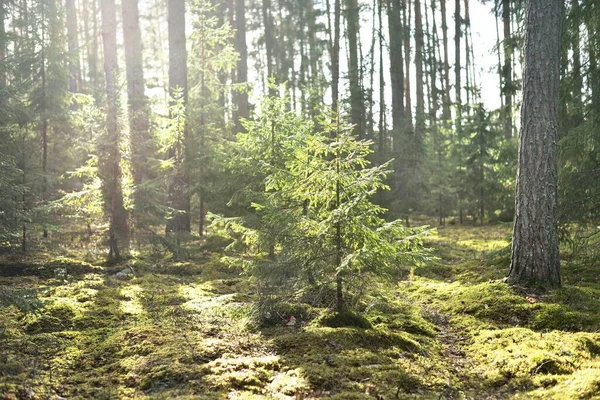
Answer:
(3, 81)
(396, 37)
(139, 113)
(535, 251)
(577, 76)
(446, 114)
(179, 194)
(269, 40)
(382, 145)
(109, 168)
(242, 64)
(356, 101)
(335, 57)
(508, 85)
(73, 45)
(406, 10)
(458, 89)
(44, 110)
(419, 48)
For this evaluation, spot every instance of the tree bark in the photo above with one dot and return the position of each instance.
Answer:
(419, 47)
(73, 45)
(356, 100)
(242, 64)
(535, 248)
(446, 114)
(3, 80)
(396, 37)
(110, 169)
(139, 113)
(507, 71)
(179, 194)
(458, 90)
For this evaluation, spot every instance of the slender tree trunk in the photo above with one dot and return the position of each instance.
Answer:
(458, 89)
(3, 80)
(269, 39)
(406, 16)
(44, 110)
(396, 36)
(508, 84)
(139, 112)
(93, 56)
(179, 190)
(419, 49)
(577, 76)
(335, 57)
(242, 64)
(446, 114)
(535, 256)
(382, 147)
(109, 168)
(498, 47)
(356, 101)
(73, 45)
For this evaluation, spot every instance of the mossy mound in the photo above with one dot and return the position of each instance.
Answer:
(345, 319)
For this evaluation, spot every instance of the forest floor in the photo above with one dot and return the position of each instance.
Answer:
(155, 328)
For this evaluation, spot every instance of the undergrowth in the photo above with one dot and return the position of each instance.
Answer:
(153, 327)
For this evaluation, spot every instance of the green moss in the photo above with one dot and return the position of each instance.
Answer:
(345, 319)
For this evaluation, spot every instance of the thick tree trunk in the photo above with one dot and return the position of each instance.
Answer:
(242, 64)
(356, 100)
(110, 169)
(535, 252)
(179, 194)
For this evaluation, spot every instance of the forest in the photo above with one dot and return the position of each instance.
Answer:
(299, 199)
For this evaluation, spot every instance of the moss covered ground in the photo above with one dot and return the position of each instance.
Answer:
(155, 328)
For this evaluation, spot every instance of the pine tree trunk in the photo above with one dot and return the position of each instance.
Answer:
(179, 194)
(269, 40)
(406, 16)
(535, 252)
(93, 55)
(577, 77)
(109, 168)
(382, 143)
(3, 81)
(356, 101)
(508, 85)
(44, 110)
(335, 57)
(419, 46)
(73, 45)
(446, 114)
(458, 90)
(242, 64)
(139, 112)
(396, 37)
